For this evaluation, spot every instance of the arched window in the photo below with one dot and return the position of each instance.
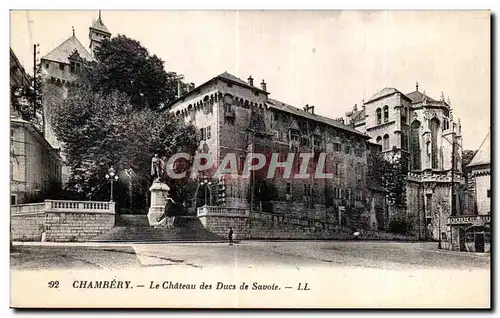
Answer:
(446, 124)
(379, 116)
(434, 126)
(379, 140)
(415, 145)
(386, 113)
(386, 142)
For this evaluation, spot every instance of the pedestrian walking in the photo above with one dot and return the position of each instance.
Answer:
(230, 236)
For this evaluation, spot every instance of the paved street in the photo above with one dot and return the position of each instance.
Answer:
(251, 254)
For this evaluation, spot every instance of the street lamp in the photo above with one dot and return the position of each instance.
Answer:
(206, 183)
(112, 177)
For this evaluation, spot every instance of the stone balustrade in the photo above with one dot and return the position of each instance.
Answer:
(61, 220)
(469, 219)
(222, 211)
(80, 206)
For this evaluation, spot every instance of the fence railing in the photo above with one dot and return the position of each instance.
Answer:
(472, 219)
(63, 206)
(222, 211)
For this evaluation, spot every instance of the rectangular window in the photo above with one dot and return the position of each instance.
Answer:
(13, 199)
(276, 117)
(46, 65)
(317, 142)
(337, 147)
(209, 132)
(288, 188)
(295, 137)
(61, 66)
(347, 149)
(74, 67)
(242, 163)
(203, 136)
(488, 193)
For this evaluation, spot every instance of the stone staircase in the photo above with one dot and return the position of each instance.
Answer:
(135, 228)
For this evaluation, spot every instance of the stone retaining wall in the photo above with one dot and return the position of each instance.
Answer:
(27, 222)
(62, 221)
(261, 225)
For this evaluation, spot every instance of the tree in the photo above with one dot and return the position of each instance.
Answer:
(467, 156)
(390, 175)
(102, 130)
(111, 117)
(126, 66)
(27, 100)
(465, 192)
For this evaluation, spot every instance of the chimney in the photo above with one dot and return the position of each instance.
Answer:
(263, 85)
(191, 87)
(355, 108)
(312, 109)
(250, 80)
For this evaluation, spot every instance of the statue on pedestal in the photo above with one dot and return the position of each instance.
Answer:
(156, 168)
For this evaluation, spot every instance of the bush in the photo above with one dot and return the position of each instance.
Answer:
(399, 224)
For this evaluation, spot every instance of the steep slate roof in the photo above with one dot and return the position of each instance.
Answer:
(384, 92)
(417, 97)
(298, 112)
(99, 25)
(237, 80)
(62, 53)
(358, 116)
(482, 156)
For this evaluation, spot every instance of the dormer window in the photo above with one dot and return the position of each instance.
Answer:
(75, 62)
(75, 67)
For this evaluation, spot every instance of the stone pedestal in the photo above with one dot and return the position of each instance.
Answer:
(159, 194)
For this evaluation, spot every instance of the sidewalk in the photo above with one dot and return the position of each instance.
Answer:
(110, 244)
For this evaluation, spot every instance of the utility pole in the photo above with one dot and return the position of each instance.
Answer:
(453, 211)
(34, 81)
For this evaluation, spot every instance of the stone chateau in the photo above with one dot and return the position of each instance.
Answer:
(236, 116)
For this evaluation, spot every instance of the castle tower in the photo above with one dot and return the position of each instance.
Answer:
(97, 33)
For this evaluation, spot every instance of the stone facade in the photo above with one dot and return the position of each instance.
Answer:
(422, 132)
(61, 221)
(35, 165)
(234, 116)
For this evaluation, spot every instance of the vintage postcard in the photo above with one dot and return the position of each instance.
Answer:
(250, 159)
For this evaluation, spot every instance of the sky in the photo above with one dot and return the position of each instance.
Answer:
(329, 59)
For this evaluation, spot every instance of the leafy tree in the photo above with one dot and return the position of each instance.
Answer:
(390, 175)
(467, 156)
(110, 118)
(126, 66)
(27, 100)
(102, 130)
